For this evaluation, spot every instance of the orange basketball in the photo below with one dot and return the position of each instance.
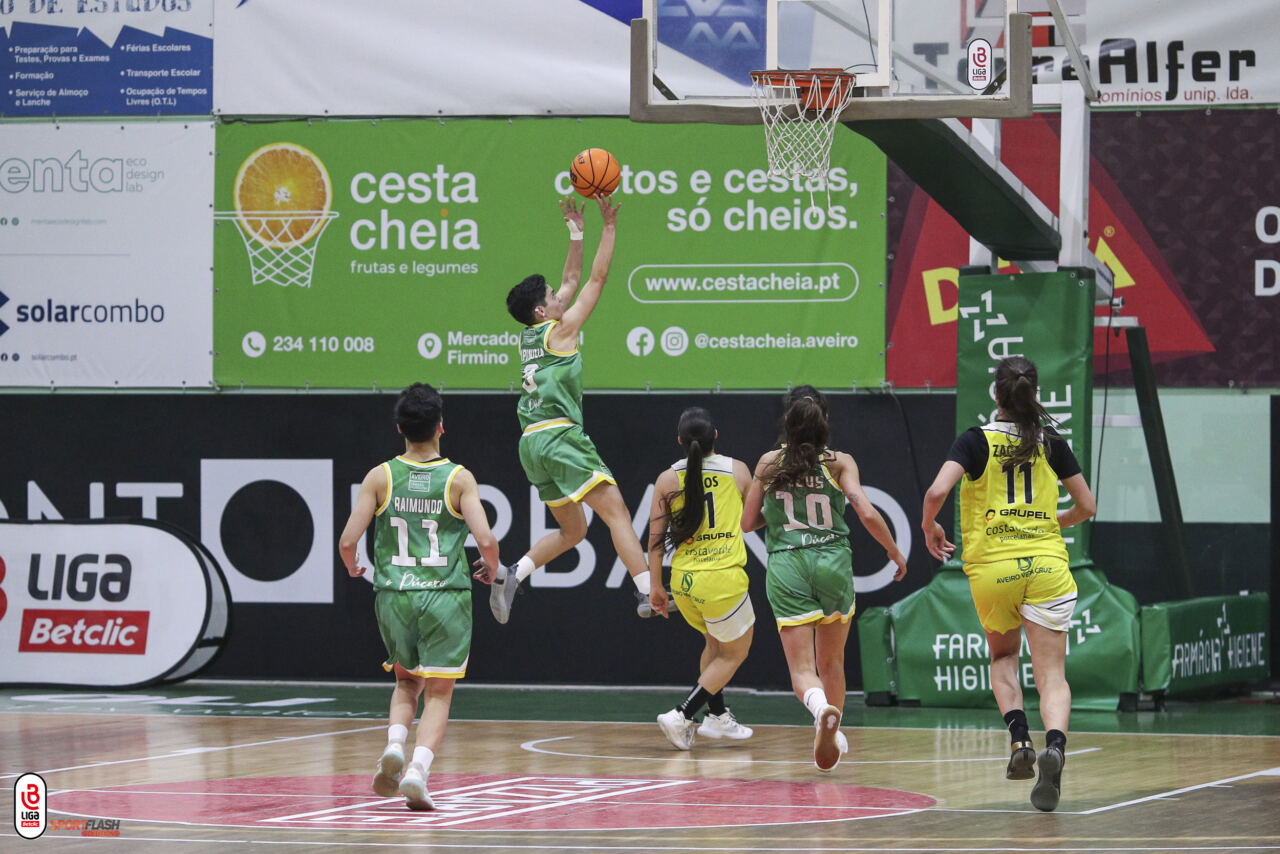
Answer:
(595, 172)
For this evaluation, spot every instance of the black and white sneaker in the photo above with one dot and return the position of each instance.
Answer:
(1048, 788)
(1022, 762)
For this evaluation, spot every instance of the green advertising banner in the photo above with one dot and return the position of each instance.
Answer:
(1201, 644)
(354, 254)
(1048, 318)
(942, 659)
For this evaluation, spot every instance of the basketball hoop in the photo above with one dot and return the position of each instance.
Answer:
(799, 110)
(278, 253)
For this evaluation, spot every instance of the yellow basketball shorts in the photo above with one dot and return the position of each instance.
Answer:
(1037, 588)
(714, 601)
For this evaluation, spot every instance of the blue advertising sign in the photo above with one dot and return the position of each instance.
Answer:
(95, 58)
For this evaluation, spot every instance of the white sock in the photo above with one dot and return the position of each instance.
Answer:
(524, 568)
(423, 756)
(642, 582)
(815, 700)
(397, 733)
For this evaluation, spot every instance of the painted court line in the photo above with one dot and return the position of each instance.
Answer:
(193, 751)
(532, 747)
(1270, 772)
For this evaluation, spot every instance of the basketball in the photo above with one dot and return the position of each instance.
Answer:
(595, 172)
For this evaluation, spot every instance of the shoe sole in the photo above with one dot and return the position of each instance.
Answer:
(673, 735)
(415, 795)
(1045, 793)
(826, 753)
(386, 783)
(714, 734)
(1022, 765)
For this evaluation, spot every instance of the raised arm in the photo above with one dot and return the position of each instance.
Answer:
(576, 315)
(572, 275)
(934, 536)
(868, 515)
(1084, 505)
(465, 495)
(666, 483)
(372, 491)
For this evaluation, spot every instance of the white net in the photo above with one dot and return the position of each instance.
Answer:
(281, 246)
(799, 110)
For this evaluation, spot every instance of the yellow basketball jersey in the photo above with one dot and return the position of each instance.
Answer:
(1009, 514)
(717, 544)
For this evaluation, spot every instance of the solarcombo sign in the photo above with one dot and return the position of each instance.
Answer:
(85, 603)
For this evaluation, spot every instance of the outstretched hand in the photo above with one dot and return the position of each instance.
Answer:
(608, 210)
(572, 213)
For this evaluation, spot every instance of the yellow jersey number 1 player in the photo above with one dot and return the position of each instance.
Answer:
(1016, 560)
(557, 455)
(697, 516)
(422, 506)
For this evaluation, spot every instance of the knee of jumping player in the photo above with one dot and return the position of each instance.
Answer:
(573, 531)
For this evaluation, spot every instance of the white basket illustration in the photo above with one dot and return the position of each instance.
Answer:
(277, 252)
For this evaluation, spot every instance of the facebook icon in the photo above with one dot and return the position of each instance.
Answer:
(640, 341)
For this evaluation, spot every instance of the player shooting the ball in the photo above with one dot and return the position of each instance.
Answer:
(558, 456)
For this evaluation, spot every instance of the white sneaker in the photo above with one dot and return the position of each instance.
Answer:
(390, 764)
(414, 789)
(826, 739)
(502, 593)
(723, 726)
(842, 743)
(678, 729)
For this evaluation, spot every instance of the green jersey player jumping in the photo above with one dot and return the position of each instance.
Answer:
(558, 456)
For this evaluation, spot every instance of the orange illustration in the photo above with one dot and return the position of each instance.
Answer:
(282, 194)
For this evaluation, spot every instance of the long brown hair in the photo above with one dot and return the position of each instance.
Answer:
(1016, 382)
(805, 432)
(698, 435)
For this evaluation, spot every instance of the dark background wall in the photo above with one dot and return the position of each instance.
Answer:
(57, 447)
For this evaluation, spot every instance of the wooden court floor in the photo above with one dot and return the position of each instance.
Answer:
(216, 767)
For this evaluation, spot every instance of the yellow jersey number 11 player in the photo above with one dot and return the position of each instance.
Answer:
(422, 505)
(557, 455)
(1016, 559)
(697, 516)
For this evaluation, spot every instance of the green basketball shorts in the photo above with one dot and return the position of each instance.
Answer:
(810, 585)
(562, 463)
(427, 632)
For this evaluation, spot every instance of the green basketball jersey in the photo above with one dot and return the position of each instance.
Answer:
(418, 536)
(810, 513)
(551, 380)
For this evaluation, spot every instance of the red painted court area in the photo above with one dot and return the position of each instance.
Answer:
(491, 802)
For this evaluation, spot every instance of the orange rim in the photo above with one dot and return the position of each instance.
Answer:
(815, 87)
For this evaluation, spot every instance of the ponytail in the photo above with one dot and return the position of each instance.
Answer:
(1016, 383)
(698, 434)
(805, 433)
